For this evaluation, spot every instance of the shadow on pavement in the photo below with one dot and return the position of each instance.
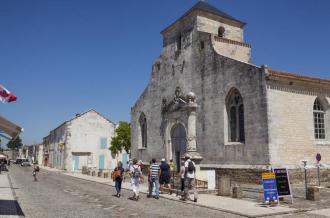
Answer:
(10, 207)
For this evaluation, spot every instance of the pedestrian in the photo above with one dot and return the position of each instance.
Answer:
(182, 174)
(36, 169)
(128, 168)
(190, 173)
(172, 172)
(136, 174)
(165, 175)
(153, 177)
(172, 165)
(141, 165)
(118, 177)
(129, 165)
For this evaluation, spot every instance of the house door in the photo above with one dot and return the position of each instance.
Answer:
(179, 143)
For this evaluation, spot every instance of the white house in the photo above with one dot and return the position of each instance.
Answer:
(82, 141)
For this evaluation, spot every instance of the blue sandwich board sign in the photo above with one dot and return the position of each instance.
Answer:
(270, 188)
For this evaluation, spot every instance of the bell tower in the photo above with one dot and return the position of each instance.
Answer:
(227, 32)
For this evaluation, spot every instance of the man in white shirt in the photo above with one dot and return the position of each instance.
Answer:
(190, 170)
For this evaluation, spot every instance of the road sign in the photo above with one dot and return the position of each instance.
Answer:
(270, 189)
(318, 157)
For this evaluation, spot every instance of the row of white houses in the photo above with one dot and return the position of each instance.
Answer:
(82, 141)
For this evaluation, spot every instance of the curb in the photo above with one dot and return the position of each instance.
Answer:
(185, 202)
(18, 209)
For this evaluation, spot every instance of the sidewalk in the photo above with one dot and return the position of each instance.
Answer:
(8, 204)
(226, 204)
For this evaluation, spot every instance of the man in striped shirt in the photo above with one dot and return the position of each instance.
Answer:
(153, 177)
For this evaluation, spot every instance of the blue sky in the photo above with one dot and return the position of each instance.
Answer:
(67, 56)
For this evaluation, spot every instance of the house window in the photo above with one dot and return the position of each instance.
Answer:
(143, 127)
(221, 31)
(103, 143)
(319, 120)
(235, 109)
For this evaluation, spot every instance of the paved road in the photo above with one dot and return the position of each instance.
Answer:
(57, 195)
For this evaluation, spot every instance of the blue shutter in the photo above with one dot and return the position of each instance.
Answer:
(124, 160)
(75, 160)
(104, 143)
(101, 162)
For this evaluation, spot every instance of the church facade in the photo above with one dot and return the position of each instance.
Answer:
(205, 98)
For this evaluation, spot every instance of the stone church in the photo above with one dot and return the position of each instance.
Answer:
(207, 99)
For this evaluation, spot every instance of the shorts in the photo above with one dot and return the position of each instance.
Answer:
(164, 180)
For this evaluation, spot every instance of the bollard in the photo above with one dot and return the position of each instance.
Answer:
(237, 192)
(224, 186)
(313, 193)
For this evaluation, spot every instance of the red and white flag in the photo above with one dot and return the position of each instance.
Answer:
(6, 96)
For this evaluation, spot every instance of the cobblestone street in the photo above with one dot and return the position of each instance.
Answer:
(57, 195)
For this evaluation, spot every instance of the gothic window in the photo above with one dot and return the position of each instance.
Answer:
(235, 108)
(221, 31)
(143, 127)
(319, 120)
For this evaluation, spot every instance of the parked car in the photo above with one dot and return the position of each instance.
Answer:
(12, 161)
(26, 163)
(19, 160)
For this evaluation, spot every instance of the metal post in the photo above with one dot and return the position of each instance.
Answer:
(173, 178)
(318, 173)
(305, 164)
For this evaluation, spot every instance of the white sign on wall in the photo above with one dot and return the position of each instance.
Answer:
(211, 179)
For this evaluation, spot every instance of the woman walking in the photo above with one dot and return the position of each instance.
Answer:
(118, 176)
(136, 174)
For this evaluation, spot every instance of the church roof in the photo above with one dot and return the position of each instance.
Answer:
(286, 75)
(203, 6)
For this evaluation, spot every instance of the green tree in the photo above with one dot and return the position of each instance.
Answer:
(15, 144)
(122, 138)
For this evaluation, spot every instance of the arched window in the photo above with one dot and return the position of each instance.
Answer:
(319, 120)
(235, 109)
(143, 127)
(221, 31)
(178, 42)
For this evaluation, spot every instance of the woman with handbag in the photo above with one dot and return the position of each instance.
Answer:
(118, 177)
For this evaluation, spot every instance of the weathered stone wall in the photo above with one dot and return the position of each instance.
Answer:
(210, 76)
(254, 176)
(211, 26)
(243, 176)
(291, 124)
(214, 76)
(232, 49)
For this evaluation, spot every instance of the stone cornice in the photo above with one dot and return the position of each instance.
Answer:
(220, 39)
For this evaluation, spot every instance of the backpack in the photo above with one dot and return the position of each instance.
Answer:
(37, 168)
(136, 172)
(191, 167)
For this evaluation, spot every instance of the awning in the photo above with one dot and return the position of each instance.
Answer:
(9, 128)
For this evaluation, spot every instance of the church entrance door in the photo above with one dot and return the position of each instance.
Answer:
(179, 144)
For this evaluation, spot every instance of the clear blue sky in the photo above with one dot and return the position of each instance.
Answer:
(61, 57)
